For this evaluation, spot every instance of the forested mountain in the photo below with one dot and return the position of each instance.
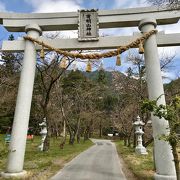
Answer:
(114, 82)
(173, 88)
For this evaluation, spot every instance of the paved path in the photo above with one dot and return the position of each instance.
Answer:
(100, 162)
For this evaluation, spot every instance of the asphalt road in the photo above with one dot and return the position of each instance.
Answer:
(100, 162)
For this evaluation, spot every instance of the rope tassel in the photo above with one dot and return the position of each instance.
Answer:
(42, 54)
(63, 63)
(88, 67)
(118, 60)
(141, 48)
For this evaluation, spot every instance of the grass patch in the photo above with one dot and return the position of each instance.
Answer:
(42, 165)
(141, 165)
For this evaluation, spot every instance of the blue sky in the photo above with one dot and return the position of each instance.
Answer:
(28, 6)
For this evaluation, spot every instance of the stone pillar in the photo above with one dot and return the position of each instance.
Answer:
(165, 168)
(23, 106)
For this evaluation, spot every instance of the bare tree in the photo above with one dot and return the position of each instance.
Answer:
(169, 4)
(49, 72)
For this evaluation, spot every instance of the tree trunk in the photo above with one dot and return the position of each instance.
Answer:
(134, 139)
(86, 133)
(63, 136)
(77, 130)
(125, 140)
(90, 130)
(57, 133)
(176, 159)
(46, 143)
(148, 142)
(78, 138)
(71, 138)
(129, 141)
(90, 133)
(100, 129)
(85, 136)
(63, 142)
(71, 133)
(129, 137)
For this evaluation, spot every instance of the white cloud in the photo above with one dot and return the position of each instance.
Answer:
(69, 34)
(78, 65)
(118, 31)
(61, 34)
(168, 76)
(55, 5)
(168, 51)
(129, 3)
(48, 6)
(2, 7)
(170, 28)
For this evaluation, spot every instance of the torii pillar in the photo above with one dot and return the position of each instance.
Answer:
(23, 106)
(165, 168)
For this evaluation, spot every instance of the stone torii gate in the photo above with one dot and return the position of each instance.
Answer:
(33, 24)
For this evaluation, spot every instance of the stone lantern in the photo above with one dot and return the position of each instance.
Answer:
(43, 133)
(138, 125)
